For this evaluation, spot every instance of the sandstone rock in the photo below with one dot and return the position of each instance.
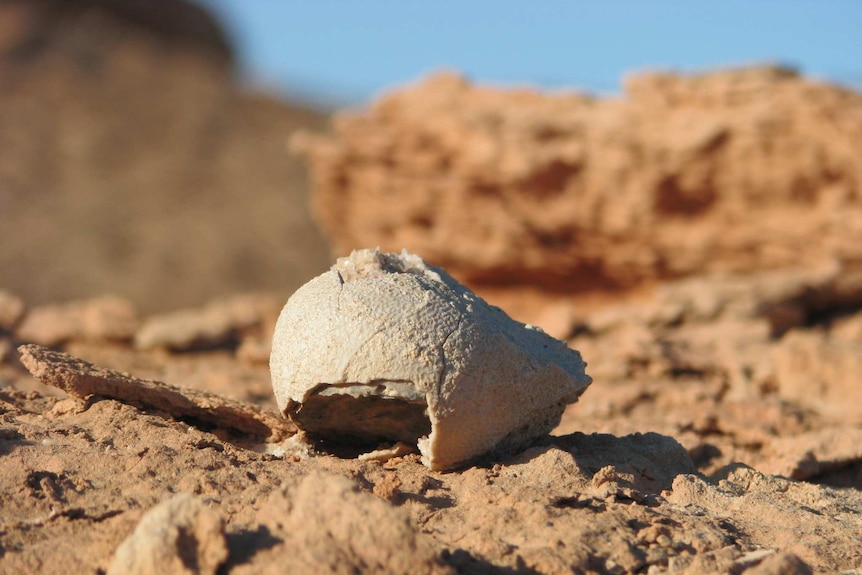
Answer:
(74, 481)
(385, 347)
(749, 330)
(85, 381)
(181, 535)
(92, 90)
(783, 298)
(645, 463)
(106, 317)
(11, 310)
(219, 323)
(769, 358)
(329, 526)
(762, 506)
(255, 350)
(847, 329)
(821, 374)
(806, 455)
(780, 564)
(747, 169)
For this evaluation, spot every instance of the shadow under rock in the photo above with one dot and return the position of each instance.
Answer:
(640, 463)
(244, 545)
(437, 502)
(844, 477)
(465, 563)
(10, 439)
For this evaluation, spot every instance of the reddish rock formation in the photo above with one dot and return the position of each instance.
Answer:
(726, 172)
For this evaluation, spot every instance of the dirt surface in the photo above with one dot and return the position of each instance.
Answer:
(722, 435)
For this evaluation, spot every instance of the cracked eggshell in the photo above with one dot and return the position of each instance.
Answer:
(385, 347)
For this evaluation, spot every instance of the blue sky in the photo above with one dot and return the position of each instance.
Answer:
(345, 52)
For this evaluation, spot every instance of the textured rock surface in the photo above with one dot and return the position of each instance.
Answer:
(219, 323)
(103, 318)
(85, 381)
(788, 334)
(91, 92)
(704, 388)
(759, 353)
(729, 171)
(614, 490)
(383, 347)
(181, 535)
(329, 525)
(747, 495)
(11, 310)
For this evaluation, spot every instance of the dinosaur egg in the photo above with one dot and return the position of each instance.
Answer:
(383, 347)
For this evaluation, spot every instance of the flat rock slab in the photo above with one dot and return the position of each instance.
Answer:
(85, 381)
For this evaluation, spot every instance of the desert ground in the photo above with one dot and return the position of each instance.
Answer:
(696, 239)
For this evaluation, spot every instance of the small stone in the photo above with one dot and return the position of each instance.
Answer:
(218, 324)
(400, 449)
(100, 318)
(329, 525)
(181, 535)
(781, 563)
(11, 310)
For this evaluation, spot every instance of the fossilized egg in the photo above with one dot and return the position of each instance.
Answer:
(384, 347)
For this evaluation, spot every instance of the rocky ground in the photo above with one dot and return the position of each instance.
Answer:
(696, 239)
(722, 434)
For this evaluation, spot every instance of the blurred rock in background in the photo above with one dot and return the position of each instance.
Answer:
(548, 195)
(132, 162)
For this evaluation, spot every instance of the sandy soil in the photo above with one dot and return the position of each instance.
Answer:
(693, 452)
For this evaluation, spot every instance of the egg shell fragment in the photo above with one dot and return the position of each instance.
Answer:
(383, 347)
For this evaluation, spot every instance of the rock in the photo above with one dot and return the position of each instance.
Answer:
(329, 526)
(255, 350)
(645, 463)
(11, 311)
(820, 374)
(749, 169)
(101, 318)
(807, 455)
(218, 324)
(783, 298)
(780, 564)
(385, 347)
(88, 101)
(847, 329)
(636, 467)
(85, 381)
(181, 535)
(749, 330)
(75, 478)
(797, 518)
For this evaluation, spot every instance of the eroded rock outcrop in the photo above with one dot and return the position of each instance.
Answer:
(729, 171)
